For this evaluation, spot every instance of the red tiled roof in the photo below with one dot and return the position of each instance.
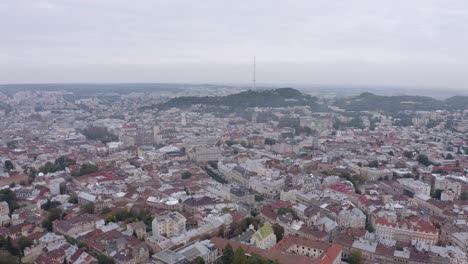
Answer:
(333, 252)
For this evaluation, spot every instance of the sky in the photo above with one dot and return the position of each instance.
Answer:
(413, 43)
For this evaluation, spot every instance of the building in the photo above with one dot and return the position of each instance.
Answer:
(415, 230)
(353, 218)
(137, 228)
(205, 154)
(264, 238)
(241, 195)
(4, 208)
(415, 187)
(269, 188)
(77, 225)
(170, 224)
(204, 249)
(85, 198)
(283, 251)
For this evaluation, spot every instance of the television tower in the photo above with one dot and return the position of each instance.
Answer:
(254, 87)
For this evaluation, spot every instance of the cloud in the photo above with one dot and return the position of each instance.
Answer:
(388, 42)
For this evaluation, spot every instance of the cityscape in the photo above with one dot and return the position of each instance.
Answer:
(233, 132)
(116, 176)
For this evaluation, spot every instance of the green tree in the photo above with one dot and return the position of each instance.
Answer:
(199, 260)
(7, 258)
(88, 208)
(73, 199)
(11, 247)
(239, 256)
(8, 165)
(464, 196)
(408, 154)
(50, 205)
(279, 231)
(424, 160)
(105, 210)
(355, 257)
(85, 169)
(9, 196)
(270, 141)
(436, 194)
(449, 156)
(374, 164)
(228, 254)
(186, 175)
(103, 259)
(24, 242)
(47, 225)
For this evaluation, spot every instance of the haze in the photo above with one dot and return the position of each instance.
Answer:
(402, 43)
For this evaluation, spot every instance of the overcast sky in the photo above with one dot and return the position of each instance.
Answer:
(357, 42)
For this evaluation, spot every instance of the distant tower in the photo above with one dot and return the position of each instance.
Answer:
(254, 87)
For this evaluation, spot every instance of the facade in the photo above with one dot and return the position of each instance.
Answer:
(204, 249)
(415, 186)
(138, 228)
(85, 198)
(4, 208)
(169, 224)
(353, 218)
(267, 187)
(413, 231)
(77, 225)
(205, 154)
(241, 195)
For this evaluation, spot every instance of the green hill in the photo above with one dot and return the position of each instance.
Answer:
(282, 97)
(394, 104)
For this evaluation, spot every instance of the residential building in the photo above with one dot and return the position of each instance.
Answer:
(168, 225)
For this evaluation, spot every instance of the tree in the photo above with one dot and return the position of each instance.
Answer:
(408, 154)
(9, 196)
(374, 164)
(73, 199)
(88, 208)
(85, 169)
(228, 254)
(10, 247)
(199, 260)
(239, 256)
(8, 165)
(355, 257)
(424, 160)
(24, 242)
(50, 205)
(103, 259)
(270, 141)
(436, 194)
(105, 210)
(464, 196)
(186, 175)
(449, 156)
(7, 258)
(279, 231)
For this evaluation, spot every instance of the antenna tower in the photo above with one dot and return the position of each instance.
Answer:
(254, 87)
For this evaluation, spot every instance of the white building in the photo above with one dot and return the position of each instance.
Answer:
(169, 224)
(353, 218)
(415, 186)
